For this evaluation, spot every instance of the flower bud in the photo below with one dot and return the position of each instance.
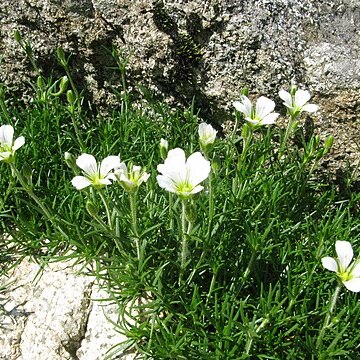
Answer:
(91, 208)
(329, 141)
(244, 91)
(207, 136)
(40, 82)
(70, 96)
(26, 172)
(61, 56)
(164, 147)
(17, 36)
(215, 164)
(71, 161)
(190, 212)
(246, 131)
(64, 82)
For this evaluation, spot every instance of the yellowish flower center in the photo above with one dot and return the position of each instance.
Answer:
(345, 276)
(184, 188)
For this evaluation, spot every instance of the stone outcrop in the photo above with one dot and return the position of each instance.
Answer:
(203, 49)
(55, 315)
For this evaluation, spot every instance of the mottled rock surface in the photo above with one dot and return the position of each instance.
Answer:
(56, 316)
(207, 49)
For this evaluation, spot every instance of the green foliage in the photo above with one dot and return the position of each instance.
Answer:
(252, 286)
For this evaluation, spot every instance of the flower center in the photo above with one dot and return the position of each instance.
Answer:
(345, 276)
(184, 188)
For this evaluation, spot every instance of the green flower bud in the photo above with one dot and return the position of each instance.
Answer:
(91, 208)
(26, 172)
(244, 91)
(71, 161)
(70, 96)
(17, 36)
(40, 82)
(215, 164)
(164, 147)
(329, 141)
(61, 56)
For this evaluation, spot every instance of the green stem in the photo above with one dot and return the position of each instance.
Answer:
(107, 210)
(171, 225)
(77, 132)
(289, 128)
(42, 206)
(250, 339)
(183, 235)
(133, 209)
(328, 317)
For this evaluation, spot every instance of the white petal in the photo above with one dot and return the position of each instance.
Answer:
(80, 182)
(121, 169)
(6, 135)
(105, 181)
(286, 96)
(198, 169)
(174, 166)
(302, 97)
(310, 108)
(108, 164)
(5, 155)
(165, 183)
(239, 106)
(353, 284)
(196, 189)
(270, 119)
(19, 142)
(88, 164)
(264, 106)
(345, 254)
(355, 269)
(329, 263)
(202, 130)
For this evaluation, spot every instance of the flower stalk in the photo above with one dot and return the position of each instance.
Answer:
(328, 317)
(133, 209)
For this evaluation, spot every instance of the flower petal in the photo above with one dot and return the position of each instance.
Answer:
(345, 254)
(269, 119)
(80, 182)
(108, 164)
(174, 166)
(353, 284)
(355, 269)
(310, 108)
(329, 263)
(19, 142)
(197, 168)
(196, 189)
(166, 183)
(244, 105)
(6, 135)
(302, 97)
(88, 164)
(286, 97)
(264, 106)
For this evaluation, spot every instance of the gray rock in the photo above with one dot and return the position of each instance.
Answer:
(53, 317)
(207, 49)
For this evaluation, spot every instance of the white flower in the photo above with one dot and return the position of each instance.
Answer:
(349, 274)
(95, 174)
(207, 134)
(297, 101)
(7, 144)
(183, 176)
(262, 114)
(132, 179)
